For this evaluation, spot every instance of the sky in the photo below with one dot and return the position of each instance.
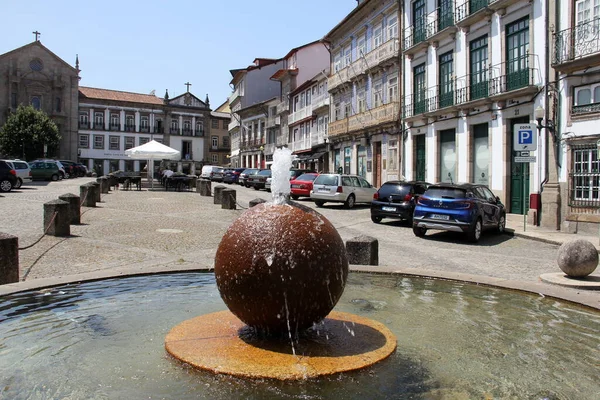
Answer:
(140, 46)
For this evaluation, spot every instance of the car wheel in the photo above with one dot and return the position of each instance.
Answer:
(19, 183)
(475, 234)
(319, 203)
(295, 197)
(502, 224)
(419, 232)
(61, 177)
(5, 185)
(54, 177)
(350, 201)
(376, 219)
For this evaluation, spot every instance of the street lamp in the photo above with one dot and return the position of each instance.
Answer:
(539, 115)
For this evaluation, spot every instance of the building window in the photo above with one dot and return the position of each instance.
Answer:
(392, 88)
(36, 102)
(187, 126)
(479, 68)
(347, 56)
(99, 142)
(419, 89)
(13, 100)
(361, 100)
(419, 21)
(481, 154)
(392, 27)
(115, 121)
(448, 156)
(337, 112)
(114, 143)
(84, 120)
(585, 177)
(446, 88)
(337, 62)
(377, 36)
(98, 120)
(225, 141)
(392, 155)
(214, 158)
(144, 140)
(58, 107)
(214, 142)
(361, 46)
(129, 142)
(129, 123)
(225, 124)
(377, 93)
(84, 141)
(199, 128)
(347, 109)
(308, 98)
(214, 123)
(586, 99)
(517, 49)
(144, 123)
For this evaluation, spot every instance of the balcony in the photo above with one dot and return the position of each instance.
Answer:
(436, 26)
(233, 124)
(378, 56)
(374, 117)
(272, 122)
(159, 129)
(338, 128)
(585, 109)
(174, 131)
(497, 83)
(283, 106)
(144, 129)
(471, 11)
(320, 101)
(129, 128)
(99, 126)
(302, 144)
(234, 95)
(578, 47)
(115, 127)
(187, 132)
(84, 125)
(300, 114)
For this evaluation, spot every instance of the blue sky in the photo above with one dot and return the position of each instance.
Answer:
(139, 46)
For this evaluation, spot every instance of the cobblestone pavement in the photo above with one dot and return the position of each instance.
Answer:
(183, 229)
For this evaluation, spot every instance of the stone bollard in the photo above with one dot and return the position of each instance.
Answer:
(192, 183)
(97, 191)
(256, 202)
(103, 181)
(363, 250)
(9, 258)
(218, 194)
(56, 218)
(229, 199)
(88, 195)
(74, 207)
(577, 258)
(203, 186)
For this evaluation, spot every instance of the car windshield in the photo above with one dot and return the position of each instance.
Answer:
(393, 189)
(265, 172)
(445, 193)
(329, 180)
(306, 177)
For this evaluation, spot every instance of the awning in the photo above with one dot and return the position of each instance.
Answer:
(310, 157)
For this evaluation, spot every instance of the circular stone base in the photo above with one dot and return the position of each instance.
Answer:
(221, 343)
(590, 282)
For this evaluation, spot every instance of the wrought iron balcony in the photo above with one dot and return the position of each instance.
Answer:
(129, 128)
(578, 44)
(585, 109)
(199, 133)
(415, 34)
(187, 132)
(115, 127)
(159, 129)
(144, 129)
(439, 20)
(470, 11)
(174, 131)
(99, 126)
(84, 125)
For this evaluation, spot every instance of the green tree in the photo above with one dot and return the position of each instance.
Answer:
(26, 132)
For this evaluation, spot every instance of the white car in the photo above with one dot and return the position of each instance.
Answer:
(23, 172)
(341, 188)
(268, 184)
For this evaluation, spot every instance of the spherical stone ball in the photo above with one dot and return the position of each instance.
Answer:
(577, 258)
(280, 268)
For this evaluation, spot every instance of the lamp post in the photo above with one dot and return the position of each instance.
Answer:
(539, 117)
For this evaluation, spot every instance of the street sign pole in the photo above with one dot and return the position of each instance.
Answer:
(525, 141)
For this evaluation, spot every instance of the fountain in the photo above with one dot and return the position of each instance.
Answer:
(280, 268)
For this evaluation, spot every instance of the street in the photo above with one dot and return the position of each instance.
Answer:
(152, 228)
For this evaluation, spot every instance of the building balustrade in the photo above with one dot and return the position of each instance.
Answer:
(99, 126)
(235, 123)
(273, 121)
(320, 100)
(300, 114)
(198, 133)
(283, 106)
(129, 128)
(174, 131)
(466, 12)
(115, 127)
(84, 125)
(302, 144)
(234, 95)
(187, 132)
(144, 129)
(576, 43)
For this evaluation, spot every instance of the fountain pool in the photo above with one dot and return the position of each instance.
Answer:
(105, 340)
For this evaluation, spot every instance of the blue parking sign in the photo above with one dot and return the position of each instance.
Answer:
(525, 137)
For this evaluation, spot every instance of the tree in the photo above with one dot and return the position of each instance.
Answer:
(26, 132)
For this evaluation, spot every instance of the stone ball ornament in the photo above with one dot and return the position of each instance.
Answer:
(280, 268)
(577, 258)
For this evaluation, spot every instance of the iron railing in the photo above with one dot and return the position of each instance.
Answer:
(586, 108)
(469, 8)
(84, 125)
(578, 42)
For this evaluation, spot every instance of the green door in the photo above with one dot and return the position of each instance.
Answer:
(420, 158)
(519, 195)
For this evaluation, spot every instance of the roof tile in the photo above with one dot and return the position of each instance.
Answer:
(117, 95)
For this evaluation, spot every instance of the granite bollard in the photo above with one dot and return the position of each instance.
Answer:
(229, 199)
(56, 218)
(9, 258)
(74, 207)
(104, 185)
(88, 195)
(204, 187)
(363, 250)
(218, 193)
(97, 191)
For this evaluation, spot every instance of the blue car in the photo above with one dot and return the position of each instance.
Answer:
(467, 208)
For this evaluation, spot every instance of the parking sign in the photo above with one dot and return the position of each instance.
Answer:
(525, 137)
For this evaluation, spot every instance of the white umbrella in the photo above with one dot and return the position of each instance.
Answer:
(153, 151)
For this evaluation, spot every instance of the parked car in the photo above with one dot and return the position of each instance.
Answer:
(245, 174)
(396, 199)
(75, 169)
(8, 177)
(232, 175)
(296, 172)
(467, 208)
(217, 174)
(302, 185)
(341, 188)
(46, 169)
(62, 172)
(23, 171)
(258, 179)
(208, 171)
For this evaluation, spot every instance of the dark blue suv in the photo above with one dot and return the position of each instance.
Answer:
(468, 208)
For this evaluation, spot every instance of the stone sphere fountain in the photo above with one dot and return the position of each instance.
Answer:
(280, 269)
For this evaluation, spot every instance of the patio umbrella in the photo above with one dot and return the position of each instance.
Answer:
(153, 151)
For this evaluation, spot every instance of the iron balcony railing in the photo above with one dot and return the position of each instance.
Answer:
(199, 132)
(493, 81)
(99, 126)
(144, 129)
(115, 127)
(174, 131)
(578, 42)
(415, 34)
(84, 125)
(428, 26)
(129, 128)
(585, 109)
(158, 129)
(470, 7)
(187, 131)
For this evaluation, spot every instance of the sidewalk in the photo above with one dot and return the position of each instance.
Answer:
(514, 223)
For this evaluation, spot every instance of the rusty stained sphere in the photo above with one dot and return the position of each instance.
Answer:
(281, 268)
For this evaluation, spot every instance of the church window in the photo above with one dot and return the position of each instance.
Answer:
(36, 65)
(58, 105)
(36, 102)
(13, 100)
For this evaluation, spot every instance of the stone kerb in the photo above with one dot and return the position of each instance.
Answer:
(56, 218)
(88, 195)
(74, 207)
(256, 202)
(229, 199)
(97, 191)
(218, 194)
(363, 250)
(203, 187)
(9, 258)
